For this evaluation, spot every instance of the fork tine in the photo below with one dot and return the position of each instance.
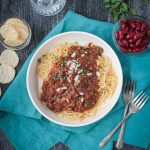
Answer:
(133, 88)
(125, 86)
(140, 98)
(141, 101)
(128, 86)
(137, 97)
(144, 103)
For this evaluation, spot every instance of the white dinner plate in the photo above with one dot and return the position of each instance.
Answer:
(82, 38)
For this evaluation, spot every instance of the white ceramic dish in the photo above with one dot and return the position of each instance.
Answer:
(82, 38)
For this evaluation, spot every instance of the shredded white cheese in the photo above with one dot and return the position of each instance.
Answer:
(89, 74)
(67, 100)
(58, 89)
(81, 93)
(76, 79)
(97, 73)
(68, 79)
(73, 55)
(72, 67)
(62, 88)
(68, 63)
(82, 55)
(78, 65)
(75, 61)
(80, 71)
(70, 71)
(82, 99)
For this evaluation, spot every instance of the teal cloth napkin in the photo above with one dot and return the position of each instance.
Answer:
(27, 129)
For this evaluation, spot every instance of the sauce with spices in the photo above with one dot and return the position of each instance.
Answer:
(72, 83)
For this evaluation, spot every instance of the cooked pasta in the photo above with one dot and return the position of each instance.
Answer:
(107, 80)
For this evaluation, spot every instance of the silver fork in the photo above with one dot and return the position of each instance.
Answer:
(128, 96)
(136, 105)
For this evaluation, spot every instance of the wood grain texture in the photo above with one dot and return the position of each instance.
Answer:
(41, 25)
(4, 143)
(59, 146)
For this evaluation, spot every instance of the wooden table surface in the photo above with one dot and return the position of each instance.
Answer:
(41, 25)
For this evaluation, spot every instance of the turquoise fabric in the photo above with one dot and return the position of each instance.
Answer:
(28, 130)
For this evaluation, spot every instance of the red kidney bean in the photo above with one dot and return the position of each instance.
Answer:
(121, 36)
(132, 24)
(124, 21)
(120, 43)
(145, 31)
(132, 21)
(138, 25)
(137, 36)
(138, 42)
(148, 32)
(131, 41)
(132, 46)
(145, 37)
(117, 36)
(125, 43)
(123, 49)
(123, 26)
(130, 35)
(130, 50)
(137, 49)
(144, 41)
(125, 30)
(120, 32)
(130, 30)
(144, 25)
(143, 47)
(137, 31)
(140, 49)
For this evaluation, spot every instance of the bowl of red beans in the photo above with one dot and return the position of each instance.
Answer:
(131, 35)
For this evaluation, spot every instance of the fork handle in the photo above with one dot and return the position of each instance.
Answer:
(108, 137)
(119, 144)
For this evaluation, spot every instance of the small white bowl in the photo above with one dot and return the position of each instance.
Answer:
(82, 38)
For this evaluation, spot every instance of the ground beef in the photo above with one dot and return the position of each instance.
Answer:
(73, 82)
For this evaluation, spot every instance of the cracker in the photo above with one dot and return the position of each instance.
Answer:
(9, 57)
(8, 32)
(22, 34)
(18, 25)
(7, 73)
(13, 42)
